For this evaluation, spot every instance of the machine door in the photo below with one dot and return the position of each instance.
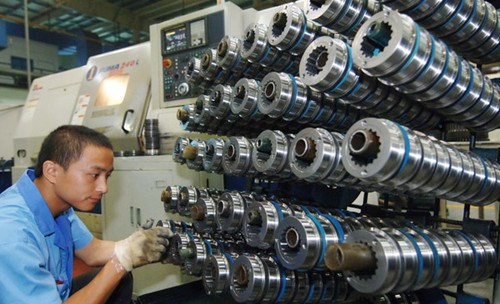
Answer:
(115, 95)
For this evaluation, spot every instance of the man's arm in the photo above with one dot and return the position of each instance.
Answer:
(140, 248)
(96, 253)
(102, 286)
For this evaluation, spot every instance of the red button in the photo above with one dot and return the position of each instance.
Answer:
(167, 63)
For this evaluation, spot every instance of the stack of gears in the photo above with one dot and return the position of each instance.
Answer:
(374, 155)
(259, 248)
(343, 93)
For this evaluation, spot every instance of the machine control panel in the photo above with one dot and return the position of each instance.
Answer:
(179, 44)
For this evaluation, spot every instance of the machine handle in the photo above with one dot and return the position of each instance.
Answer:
(131, 216)
(138, 216)
(125, 122)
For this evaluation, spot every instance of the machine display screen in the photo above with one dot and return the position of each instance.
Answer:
(176, 39)
(198, 33)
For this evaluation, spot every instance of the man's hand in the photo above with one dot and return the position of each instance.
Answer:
(143, 247)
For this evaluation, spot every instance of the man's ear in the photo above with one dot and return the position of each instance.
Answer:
(50, 170)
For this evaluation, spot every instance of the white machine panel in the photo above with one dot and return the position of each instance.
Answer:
(134, 196)
(175, 41)
(49, 104)
(115, 94)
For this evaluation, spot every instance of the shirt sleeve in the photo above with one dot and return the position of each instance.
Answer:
(25, 279)
(80, 232)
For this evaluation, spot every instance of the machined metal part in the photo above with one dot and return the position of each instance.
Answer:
(245, 98)
(301, 288)
(468, 256)
(413, 258)
(187, 198)
(253, 70)
(220, 102)
(185, 116)
(330, 292)
(289, 30)
(212, 161)
(209, 69)
(455, 258)
(395, 49)
(481, 258)
(256, 48)
(182, 116)
(170, 198)
(196, 254)
(273, 280)
(260, 221)
(281, 96)
(429, 256)
(170, 224)
(192, 72)
(231, 210)
(287, 97)
(228, 55)
(202, 113)
(470, 27)
(344, 17)
(327, 66)
(301, 241)
(178, 246)
(204, 214)
(315, 156)
(286, 63)
(270, 155)
(194, 153)
(389, 268)
(351, 257)
(248, 280)
(316, 288)
(180, 144)
(217, 273)
(383, 152)
(488, 256)
(237, 157)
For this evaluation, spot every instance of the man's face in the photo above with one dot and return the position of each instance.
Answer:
(84, 183)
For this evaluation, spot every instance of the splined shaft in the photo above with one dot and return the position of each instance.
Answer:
(285, 96)
(327, 66)
(396, 50)
(301, 240)
(343, 16)
(260, 279)
(270, 155)
(470, 27)
(257, 50)
(412, 258)
(382, 152)
(211, 71)
(290, 30)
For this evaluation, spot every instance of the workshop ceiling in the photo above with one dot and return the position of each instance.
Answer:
(113, 22)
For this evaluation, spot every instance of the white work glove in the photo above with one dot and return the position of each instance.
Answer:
(143, 247)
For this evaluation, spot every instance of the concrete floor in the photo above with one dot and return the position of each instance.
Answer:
(482, 289)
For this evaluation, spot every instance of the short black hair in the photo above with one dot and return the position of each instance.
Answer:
(66, 144)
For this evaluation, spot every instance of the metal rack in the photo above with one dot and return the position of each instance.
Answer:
(298, 105)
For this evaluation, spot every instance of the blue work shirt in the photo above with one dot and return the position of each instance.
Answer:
(36, 249)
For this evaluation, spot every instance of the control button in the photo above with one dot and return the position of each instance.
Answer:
(183, 88)
(167, 63)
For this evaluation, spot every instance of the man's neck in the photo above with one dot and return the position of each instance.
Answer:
(55, 204)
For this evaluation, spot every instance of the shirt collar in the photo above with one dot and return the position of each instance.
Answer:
(37, 204)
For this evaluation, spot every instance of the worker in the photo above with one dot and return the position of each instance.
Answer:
(40, 233)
